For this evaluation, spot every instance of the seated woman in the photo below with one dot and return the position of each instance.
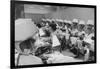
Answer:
(54, 39)
(26, 57)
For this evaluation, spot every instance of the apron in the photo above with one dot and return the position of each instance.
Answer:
(41, 32)
(55, 41)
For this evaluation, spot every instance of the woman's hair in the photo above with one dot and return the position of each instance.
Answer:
(74, 25)
(26, 44)
(47, 33)
(38, 25)
(81, 27)
(53, 26)
(42, 50)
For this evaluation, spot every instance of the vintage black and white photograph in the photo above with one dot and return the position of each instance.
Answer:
(51, 34)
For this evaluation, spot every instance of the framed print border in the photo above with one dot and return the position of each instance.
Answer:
(12, 34)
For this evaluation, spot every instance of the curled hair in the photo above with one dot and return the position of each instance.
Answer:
(26, 44)
(53, 26)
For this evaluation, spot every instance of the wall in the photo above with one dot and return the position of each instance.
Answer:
(71, 13)
(38, 9)
(36, 12)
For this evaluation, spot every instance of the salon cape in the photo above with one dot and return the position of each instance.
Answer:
(89, 40)
(60, 58)
(74, 31)
(80, 33)
(89, 36)
(73, 40)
